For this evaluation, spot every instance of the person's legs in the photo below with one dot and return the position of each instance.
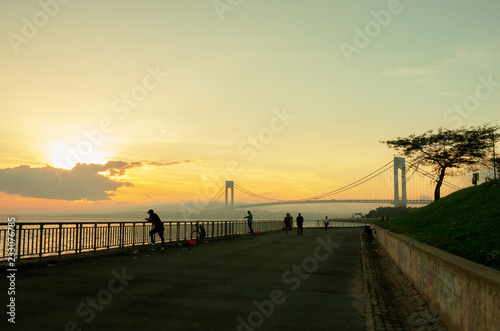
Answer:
(160, 233)
(152, 235)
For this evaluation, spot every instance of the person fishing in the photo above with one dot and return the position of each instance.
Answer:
(250, 221)
(158, 228)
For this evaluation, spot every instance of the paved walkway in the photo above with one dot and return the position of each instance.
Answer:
(393, 302)
(263, 282)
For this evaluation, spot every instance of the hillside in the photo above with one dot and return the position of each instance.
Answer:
(465, 223)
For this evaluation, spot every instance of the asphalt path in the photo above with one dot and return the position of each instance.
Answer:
(269, 281)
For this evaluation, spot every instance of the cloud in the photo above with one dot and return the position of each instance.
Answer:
(161, 164)
(84, 181)
(477, 53)
(115, 168)
(481, 53)
(81, 182)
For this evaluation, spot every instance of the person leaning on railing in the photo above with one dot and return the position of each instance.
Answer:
(158, 228)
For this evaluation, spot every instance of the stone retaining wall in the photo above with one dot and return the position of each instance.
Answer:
(466, 294)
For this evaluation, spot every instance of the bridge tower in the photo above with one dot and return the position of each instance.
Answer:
(399, 164)
(230, 185)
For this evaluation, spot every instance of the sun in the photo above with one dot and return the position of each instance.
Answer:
(62, 156)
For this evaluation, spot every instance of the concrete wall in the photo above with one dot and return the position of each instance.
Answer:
(466, 294)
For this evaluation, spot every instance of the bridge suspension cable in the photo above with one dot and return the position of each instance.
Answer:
(360, 181)
(218, 195)
(433, 177)
(255, 194)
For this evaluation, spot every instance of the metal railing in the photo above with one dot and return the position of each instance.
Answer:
(335, 223)
(43, 239)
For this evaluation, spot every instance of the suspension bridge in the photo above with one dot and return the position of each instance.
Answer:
(388, 184)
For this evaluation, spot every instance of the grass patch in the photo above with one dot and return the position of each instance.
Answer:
(465, 223)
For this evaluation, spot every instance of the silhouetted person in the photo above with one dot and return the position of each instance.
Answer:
(326, 222)
(250, 221)
(158, 228)
(369, 233)
(203, 233)
(300, 223)
(288, 222)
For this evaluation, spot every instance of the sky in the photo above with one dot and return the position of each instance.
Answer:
(109, 105)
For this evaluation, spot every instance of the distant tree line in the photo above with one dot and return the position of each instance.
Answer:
(389, 212)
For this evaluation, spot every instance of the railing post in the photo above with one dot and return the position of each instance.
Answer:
(95, 237)
(133, 235)
(60, 239)
(76, 238)
(80, 238)
(122, 231)
(18, 237)
(109, 230)
(40, 244)
(143, 232)
(170, 232)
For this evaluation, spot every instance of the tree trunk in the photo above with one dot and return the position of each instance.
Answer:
(437, 190)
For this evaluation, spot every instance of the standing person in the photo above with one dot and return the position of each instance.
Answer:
(288, 222)
(326, 222)
(300, 223)
(250, 221)
(158, 228)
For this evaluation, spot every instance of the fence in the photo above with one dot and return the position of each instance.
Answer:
(337, 223)
(57, 238)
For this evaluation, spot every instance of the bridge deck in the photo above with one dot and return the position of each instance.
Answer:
(249, 283)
